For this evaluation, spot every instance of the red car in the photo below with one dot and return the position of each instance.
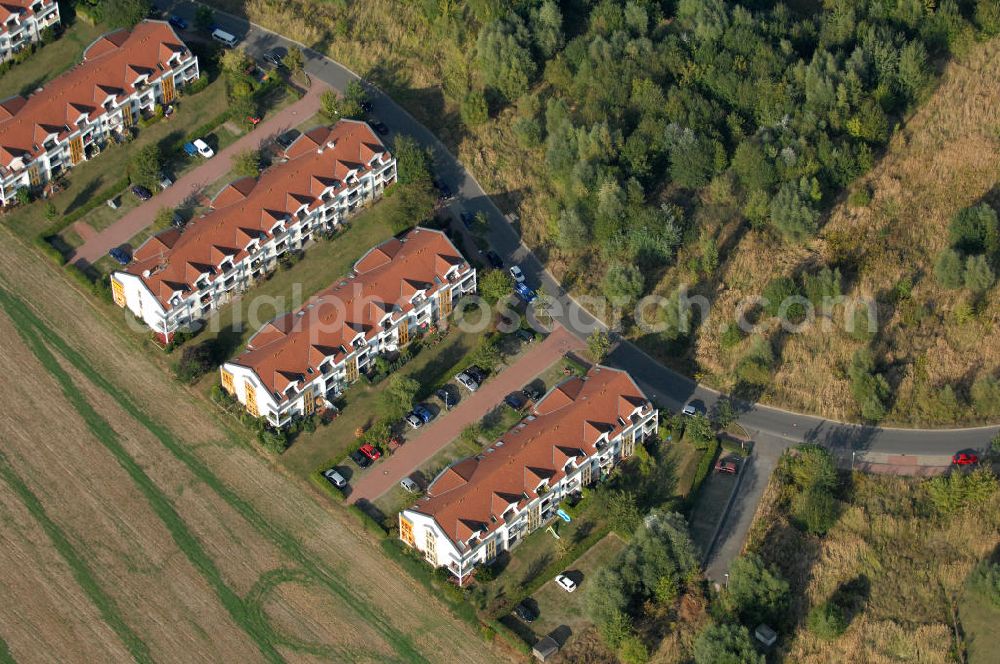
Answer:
(370, 452)
(726, 466)
(965, 459)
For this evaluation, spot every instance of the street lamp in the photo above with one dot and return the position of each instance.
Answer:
(726, 575)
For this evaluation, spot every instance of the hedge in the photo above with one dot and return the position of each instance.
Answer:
(703, 469)
(45, 246)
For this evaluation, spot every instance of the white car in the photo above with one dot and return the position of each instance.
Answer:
(203, 149)
(467, 381)
(689, 410)
(515, 272)
(566, 583)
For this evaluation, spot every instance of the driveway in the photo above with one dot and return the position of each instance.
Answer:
(439, 434)
(97, 244)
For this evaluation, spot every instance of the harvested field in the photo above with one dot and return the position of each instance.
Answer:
(138, 527)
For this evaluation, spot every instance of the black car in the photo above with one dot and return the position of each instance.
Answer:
(121, 254)
(527, 336)
(524, 612)
(286, 139)
(360, 459)
(443, 189)
(275, 56)
(494, 259)
(141, 192)
(177, 221)
(177, 22)
(468, 219)
(532, 393)
(366, 106)
(446, 398)
(515, 400)
(380, 127)
(477, 373)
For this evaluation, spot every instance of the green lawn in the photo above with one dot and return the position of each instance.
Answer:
(431, 367)
(92, 178)
(50, 60)
(979, 621)
(534, 553)
(556, 607)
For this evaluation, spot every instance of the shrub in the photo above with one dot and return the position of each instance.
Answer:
(827, 621)
(815, 510)
(725, 644)
(731, 336)
(985, 580)
(633, 651)
(756, 593)
(948, 269)
(195, 361)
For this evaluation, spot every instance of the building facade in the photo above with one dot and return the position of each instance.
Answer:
(178, 277)
(486, 504)
(123, 76)
(22, 23)
(305, 359)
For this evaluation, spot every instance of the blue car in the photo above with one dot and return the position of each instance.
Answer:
(190, 149)
(423, 413)
(121, 254)
(525, 293)
(177, 22)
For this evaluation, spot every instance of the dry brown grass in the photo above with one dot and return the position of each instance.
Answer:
(163, 596)
(943, 159)
(915, 564)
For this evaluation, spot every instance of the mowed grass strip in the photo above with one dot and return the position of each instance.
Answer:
(102, 430)
(81, 571)
(34, 331)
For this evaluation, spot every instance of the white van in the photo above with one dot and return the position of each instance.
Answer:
(225, 38)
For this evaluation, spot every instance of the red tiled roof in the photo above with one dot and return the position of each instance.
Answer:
(108, 69)
(10, 7)
(285, 349)
(248, 209)
(472, 495)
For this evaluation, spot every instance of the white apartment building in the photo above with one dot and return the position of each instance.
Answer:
(488, 503)
(122, 77)
(22, 23)
(306, 358)
(179, 277)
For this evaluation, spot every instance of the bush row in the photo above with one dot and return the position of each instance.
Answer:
(703, 469)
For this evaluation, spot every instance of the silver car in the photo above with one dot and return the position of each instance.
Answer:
(335, 478)
(467, 381)
(409, 485)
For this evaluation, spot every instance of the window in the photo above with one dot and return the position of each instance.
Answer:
(430, 548)
(586, 475)
(118, 293)
(251, 399)
(405, 530)
(491, 548)
(227, 381)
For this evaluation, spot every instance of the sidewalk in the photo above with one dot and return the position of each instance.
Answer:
(440, 433)
(97, 244)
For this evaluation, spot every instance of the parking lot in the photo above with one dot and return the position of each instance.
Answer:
(433, 437)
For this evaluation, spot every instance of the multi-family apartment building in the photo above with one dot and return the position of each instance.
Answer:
(122, 77)
(486, 504)
(22, 23)
(180, 275)
(306, 358)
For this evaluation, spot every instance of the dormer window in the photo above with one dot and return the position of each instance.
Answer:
(227, 265)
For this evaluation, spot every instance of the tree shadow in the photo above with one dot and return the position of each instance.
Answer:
(85, 194)
(852, 596)
(32, 86)
(536, 567)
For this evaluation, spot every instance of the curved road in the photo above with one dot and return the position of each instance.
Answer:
(671, 389)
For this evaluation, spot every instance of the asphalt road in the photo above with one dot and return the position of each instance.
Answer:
(772, 428)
